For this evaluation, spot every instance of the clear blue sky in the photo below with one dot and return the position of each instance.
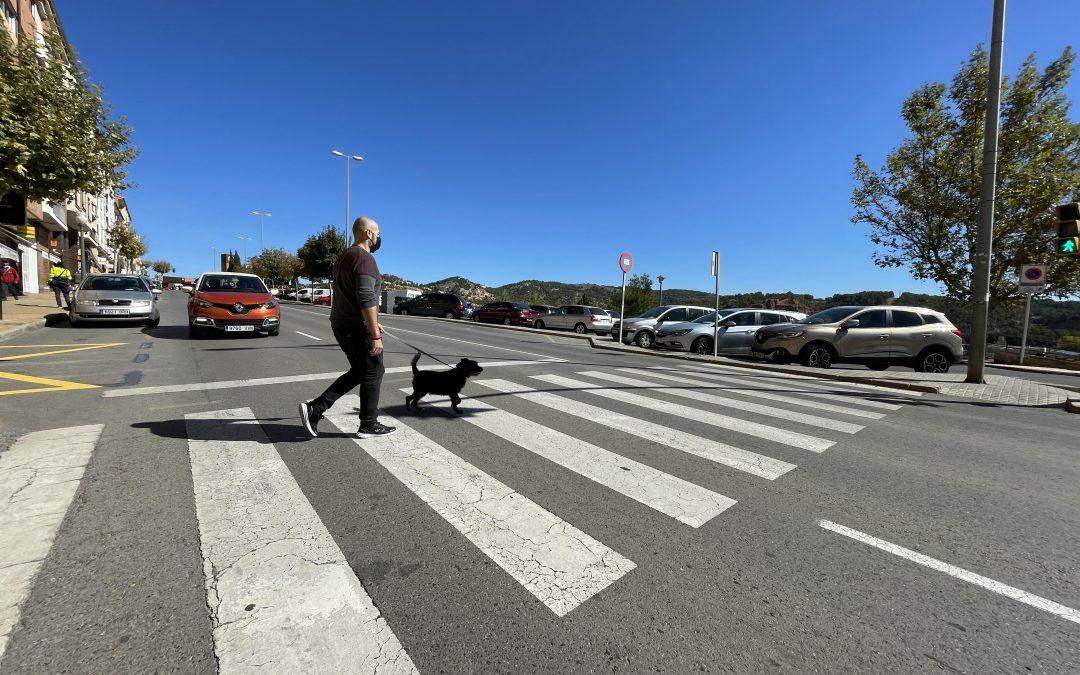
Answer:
(513, 140)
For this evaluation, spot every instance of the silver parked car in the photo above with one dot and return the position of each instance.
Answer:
(115, 297)
(579, 318)
(877, 337)
(641, 330)
(734, 331)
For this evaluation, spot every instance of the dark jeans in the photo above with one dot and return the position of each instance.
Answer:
(7, 289)
(365, 371)
(59, 288)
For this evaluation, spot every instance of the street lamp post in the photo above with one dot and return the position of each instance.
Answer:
(213, 258)
(243, 246)
(261, 214)
(660, 278)
(349, 159)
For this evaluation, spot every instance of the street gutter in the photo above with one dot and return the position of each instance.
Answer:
(47, 320)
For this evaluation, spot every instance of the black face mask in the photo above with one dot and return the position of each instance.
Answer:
(374, 246)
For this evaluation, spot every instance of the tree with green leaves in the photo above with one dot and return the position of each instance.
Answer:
(585, 299)
(277, 266)
(639, 295)
(921, 206)
(162, 267)
(56, 136)
(126, 243)
(320, 252)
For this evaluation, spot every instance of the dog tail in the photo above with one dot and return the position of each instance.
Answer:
(415, 360)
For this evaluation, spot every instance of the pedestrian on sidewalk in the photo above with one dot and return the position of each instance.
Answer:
(9, 281)
(354, 318)
(60, 283)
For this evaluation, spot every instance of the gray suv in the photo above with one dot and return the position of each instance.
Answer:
(877, 337)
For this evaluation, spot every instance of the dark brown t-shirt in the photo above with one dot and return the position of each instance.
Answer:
(357, 285)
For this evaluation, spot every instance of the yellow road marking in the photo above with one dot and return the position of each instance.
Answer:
(50, 385)
(81, 348)
(66, 344)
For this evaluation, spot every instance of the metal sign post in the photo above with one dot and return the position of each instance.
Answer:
(626, 263)
(1032, 280)
(716, 317)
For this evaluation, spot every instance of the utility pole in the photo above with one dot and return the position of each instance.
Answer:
(660, 279)
(984, 238)
(349, 159)
(716, 316)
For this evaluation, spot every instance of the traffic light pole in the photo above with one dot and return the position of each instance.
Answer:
(1027, 322)
(984, 241)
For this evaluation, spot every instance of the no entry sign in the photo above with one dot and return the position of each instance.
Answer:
(626, 262)
(1032, 278)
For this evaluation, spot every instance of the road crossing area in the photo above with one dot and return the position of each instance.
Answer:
(519, 491)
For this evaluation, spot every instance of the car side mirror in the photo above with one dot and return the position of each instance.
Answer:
(850, 323)
(728, 324)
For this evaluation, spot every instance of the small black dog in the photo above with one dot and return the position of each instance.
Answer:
(445, 382)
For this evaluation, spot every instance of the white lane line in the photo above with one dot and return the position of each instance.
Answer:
(279, 589)
(263, 381)
(556, 562)
(747, 391)
(801, 389)
(39, 475)
(309, 336)
(706, 448)
(552, 359)
(682, 500)
(325, 315)
(1031, 599)
(792, 438)
(727, 402)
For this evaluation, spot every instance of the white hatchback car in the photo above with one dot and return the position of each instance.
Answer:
(734, 331)
(641, 330)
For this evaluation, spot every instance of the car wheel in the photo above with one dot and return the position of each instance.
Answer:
(580, 329)
(539, 324)
(702, 345)
(507, 321)
(449, 315)
(154, 322)
(933, 361)
(644, 339)
(404, 312)
(878, 366)
(475, 319)
(273, 333)
(817, 356)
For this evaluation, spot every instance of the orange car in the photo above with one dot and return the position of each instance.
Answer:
(231, 302)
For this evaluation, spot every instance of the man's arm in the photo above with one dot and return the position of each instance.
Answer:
(368, 301)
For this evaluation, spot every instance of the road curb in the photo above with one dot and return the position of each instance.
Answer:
(1036, 369)
(47, 320)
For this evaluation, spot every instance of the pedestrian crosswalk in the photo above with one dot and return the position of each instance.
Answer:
(277, 583)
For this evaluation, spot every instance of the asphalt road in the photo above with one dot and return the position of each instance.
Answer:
(624, 521)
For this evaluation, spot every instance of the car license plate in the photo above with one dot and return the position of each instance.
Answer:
(115, 311)
(239, 329)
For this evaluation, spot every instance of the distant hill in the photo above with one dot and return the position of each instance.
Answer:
(1053, 322)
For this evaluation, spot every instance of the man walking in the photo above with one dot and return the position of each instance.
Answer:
(9, 281)
(354, 318)
(60, 282)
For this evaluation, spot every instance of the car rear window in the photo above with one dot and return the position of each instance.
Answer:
(930, 318)
(905, 319)
(596, 311)
(519, 305)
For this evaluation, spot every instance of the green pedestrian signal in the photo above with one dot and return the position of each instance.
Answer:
(1068, 229)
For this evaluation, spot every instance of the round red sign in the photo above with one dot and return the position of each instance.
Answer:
(1033, 273)
(626, 261)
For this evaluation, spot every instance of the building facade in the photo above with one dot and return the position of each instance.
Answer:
(74, 232)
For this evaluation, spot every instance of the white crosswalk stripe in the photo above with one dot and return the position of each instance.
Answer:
(728, 402)
(670, 495)
(721, 453)
(736, 424)
(556, 562)
(278, 587)
(39, 475)
(747, 391)
(803, 389)
(809, 381)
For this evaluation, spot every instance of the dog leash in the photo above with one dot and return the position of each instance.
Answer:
(412, 346)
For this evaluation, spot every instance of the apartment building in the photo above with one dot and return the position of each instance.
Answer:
(75, 231)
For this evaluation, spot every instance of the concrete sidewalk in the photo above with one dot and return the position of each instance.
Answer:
(35, 310)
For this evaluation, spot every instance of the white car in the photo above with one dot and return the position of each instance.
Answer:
(641, 330)
(579, 318)
(734, 331)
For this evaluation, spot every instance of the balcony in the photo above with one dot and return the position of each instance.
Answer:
(54, 217)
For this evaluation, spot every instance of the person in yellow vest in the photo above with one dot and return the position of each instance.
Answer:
(60, 282)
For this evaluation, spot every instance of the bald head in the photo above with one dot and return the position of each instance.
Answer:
(361, 228)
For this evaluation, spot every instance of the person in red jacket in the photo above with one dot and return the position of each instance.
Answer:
(9, 281)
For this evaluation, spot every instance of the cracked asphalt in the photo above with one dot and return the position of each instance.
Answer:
(760, 586)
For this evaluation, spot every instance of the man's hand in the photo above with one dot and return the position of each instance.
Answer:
(376, 347)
